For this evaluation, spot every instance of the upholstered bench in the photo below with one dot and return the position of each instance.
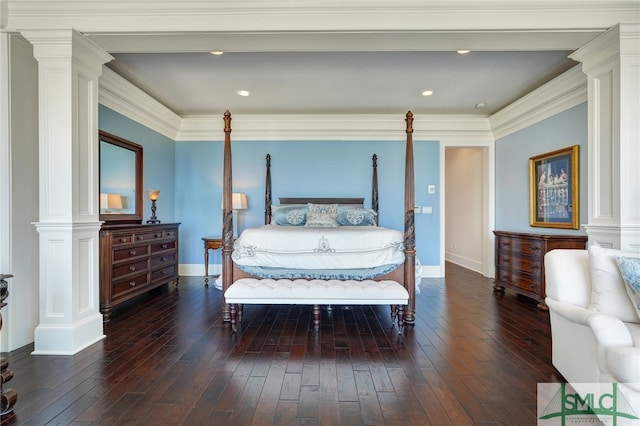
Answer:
(316, 293)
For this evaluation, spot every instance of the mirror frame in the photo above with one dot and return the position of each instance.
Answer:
(137, 150)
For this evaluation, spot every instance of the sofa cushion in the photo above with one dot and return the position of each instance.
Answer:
(608, 290)
(630, 271)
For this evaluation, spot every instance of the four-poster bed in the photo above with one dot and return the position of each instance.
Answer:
(388, 260)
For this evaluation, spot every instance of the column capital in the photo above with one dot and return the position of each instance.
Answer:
(65, 44)
(620, 40)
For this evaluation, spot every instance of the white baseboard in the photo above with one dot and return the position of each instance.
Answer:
(465, 262)
(197, 269)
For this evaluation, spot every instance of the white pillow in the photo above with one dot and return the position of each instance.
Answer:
(608, 290)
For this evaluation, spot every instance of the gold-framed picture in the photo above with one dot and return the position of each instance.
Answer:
(554, 192)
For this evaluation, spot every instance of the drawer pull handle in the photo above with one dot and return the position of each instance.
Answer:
(132, 283)
(140, 237)
(164, 246)
(122, 240)
(535, 248)
(158, 235)
(132, 268)
(163, 272)
(132, 252)
(164, 259)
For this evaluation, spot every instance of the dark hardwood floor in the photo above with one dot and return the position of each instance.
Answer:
(473, 357)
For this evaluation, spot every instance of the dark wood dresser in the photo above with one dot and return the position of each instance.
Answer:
(135, 259)
(520, 261)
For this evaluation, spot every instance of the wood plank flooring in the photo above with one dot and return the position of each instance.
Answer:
(473, 357)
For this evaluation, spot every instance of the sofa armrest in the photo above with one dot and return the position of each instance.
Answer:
(609, 331)
(624, 365)
(568, 276)
(573, 313)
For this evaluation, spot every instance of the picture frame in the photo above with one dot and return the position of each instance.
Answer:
(554, 196)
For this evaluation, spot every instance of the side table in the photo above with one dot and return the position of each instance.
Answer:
(210, 243)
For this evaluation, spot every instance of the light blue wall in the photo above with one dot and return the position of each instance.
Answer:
(301, 169)
(512, 167)
(159, 162)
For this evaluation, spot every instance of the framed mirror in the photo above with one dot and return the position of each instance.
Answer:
(120, 180)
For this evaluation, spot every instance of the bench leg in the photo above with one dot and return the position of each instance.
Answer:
(240, 306)
(400, 318)
(316, 317)
(232, 313)
(394, 313)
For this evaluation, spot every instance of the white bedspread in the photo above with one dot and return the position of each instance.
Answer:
(299, 247)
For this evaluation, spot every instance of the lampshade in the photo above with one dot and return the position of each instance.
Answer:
(238, 201)
(154, 194)
(110, 201)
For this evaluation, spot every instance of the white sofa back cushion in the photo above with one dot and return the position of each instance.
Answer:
(608, 290)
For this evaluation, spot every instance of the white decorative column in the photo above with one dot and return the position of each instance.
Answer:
(69, 66)
(612, 65)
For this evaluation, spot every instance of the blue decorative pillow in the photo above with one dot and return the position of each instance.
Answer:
(354, 216)
(630, 271)
(289, 215)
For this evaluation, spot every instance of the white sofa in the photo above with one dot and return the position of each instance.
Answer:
(595, 328)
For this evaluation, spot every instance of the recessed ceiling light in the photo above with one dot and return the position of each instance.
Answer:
(427, 92)
(243, 92)
(480, 105)
(217, 52)
(463, 51)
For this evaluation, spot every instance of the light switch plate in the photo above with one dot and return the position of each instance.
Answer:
(431, 189)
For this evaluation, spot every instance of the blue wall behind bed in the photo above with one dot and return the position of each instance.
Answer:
(299, 169)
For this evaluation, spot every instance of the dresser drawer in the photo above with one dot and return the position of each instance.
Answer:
(528, 247)
(164, 273)
(170, 234)
(163, 245)
(119, 240)
(130, 268)
(163, 259)
(525, 283)
(130, 284)
(130, 253)
(147, 236)
(528, 264)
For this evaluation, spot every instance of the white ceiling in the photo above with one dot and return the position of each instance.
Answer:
(378, 72)
(321, 82)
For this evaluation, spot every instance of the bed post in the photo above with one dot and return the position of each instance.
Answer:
(267, 192)
(227, 217)
(409, 224)
(374, 187)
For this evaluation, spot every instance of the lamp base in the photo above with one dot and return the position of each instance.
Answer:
(153, 221)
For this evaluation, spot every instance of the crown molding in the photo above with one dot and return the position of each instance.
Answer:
(123, 97)
(334, 127)
(563, 92)
(312, 15)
